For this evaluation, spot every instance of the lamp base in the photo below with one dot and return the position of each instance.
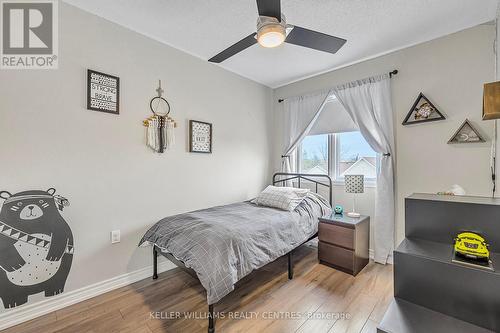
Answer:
(353, 214)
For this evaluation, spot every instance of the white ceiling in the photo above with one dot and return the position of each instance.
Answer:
(372, 27)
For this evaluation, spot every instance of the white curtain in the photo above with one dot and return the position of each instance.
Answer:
(368, 102)
(300, 114)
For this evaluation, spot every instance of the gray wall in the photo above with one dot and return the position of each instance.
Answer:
(100, 162)
(450, 71)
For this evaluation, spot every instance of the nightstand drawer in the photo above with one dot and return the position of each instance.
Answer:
(336, 256)
(336, 235)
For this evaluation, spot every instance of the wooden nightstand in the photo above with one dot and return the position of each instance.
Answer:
(343, 242)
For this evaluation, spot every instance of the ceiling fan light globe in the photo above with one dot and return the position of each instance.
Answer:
(271, 35)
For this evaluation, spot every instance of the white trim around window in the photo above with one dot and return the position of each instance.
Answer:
(333, 158)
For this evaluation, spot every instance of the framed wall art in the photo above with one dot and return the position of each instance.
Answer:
(103, 92)
(466, 133)
(200, 137)
(422, 111)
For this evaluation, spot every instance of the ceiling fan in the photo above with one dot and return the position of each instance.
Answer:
(272, 31)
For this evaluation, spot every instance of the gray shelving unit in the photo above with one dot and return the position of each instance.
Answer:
(429, 288)
(406, 317)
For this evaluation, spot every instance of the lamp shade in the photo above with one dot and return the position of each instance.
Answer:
(354, 183)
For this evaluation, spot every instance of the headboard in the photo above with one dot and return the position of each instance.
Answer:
(323, 180)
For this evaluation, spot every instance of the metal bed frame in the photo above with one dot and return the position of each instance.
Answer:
(278, 178)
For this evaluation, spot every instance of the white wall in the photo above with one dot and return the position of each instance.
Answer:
(100, 162)
(450, 71)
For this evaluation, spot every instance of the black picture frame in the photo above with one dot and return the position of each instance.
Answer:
(89, 92)
(192, 149)
(421, 96)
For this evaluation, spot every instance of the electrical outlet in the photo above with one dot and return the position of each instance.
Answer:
(115, 236)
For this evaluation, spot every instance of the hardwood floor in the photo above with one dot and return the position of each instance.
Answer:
(336, 302)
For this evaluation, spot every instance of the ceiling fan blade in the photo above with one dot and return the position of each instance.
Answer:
(314, 40)
(271, 8)
(235, 48)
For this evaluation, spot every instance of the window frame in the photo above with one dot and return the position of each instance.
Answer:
(298, 157)
(333, 159)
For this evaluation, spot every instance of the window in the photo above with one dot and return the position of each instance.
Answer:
(354, 157)
(338, 155)
(313, 157)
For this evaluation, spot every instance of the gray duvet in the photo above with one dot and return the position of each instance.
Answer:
(225, 243)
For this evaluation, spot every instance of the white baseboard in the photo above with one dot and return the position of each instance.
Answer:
(27, 312)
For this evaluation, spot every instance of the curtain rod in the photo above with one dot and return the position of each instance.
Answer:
(391, 74)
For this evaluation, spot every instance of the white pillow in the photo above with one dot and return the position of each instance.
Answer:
(286, 198)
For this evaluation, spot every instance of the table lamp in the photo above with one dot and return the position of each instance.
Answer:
(354, 184)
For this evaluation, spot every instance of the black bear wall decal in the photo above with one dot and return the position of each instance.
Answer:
(36, 246)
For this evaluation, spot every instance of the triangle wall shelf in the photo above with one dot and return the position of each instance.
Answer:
(466, 133)
(422, 111)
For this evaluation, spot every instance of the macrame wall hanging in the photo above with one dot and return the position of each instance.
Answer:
(160, 126)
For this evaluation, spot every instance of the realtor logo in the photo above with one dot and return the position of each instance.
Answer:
(29, 34)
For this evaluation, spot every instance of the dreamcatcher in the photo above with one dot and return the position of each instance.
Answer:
(160, 126)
